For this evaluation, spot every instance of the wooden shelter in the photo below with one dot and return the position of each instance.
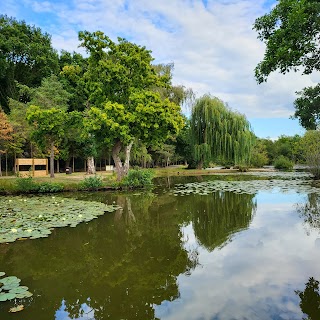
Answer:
(32, 167)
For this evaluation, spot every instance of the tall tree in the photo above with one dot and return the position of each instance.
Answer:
(291, 33)
(73, 66)
(123, 107)
(26, 56)
(219, 134)
(51, 94)
(48, 129)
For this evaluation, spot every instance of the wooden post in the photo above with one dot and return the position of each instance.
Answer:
(33, 168)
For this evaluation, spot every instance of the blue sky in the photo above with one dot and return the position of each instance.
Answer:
(210, 42)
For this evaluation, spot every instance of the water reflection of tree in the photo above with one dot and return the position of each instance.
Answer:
(216, 217)
(120, 265)
(310, 300)
(310, 212)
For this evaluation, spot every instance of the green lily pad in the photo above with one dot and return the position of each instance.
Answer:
(26, 294)
(2, 274)
(10, 280)
(7, 296)
(19, 290)
(36, 217)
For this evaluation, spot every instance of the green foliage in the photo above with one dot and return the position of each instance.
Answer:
(49, 187)
(291, 33)
(26, 184)
(119, 81)
(26, 55)
(51, 94)
(219, 134)
(48, 125)
(91, 183)
(138, 178)
(259, 156)
(73, 67)
(283, 163)
(310, 147)
(307, 107)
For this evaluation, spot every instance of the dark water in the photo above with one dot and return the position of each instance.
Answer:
(220, 256)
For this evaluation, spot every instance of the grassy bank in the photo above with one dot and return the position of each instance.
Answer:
(81, 181)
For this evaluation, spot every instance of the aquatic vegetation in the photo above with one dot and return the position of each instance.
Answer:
(35, 217)
(10, 288)
(276, 182)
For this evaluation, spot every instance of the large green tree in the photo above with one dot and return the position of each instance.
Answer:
(26, 56)
(219, 134)
(291, 33)
(49, 126)
(123, 107)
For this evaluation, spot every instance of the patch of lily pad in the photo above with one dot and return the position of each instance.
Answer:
(276, 182)
(10, 288)
(35, 217)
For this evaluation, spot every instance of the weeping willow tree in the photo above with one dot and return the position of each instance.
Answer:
(219, 134)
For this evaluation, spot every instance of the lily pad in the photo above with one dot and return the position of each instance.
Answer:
(36, 217)
(2, 274)
(10, 280)
(7, 296)
(17, 290)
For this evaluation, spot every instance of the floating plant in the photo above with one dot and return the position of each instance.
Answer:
(10, 288)
(35, 217)
(280, 182)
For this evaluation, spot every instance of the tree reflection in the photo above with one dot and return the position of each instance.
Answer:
(118, 266)
(310, 212)
(310, 299)
(216, 217)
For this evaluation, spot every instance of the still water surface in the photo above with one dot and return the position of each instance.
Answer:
(219, 256)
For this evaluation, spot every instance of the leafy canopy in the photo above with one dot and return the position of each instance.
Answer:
(26, 56)
(219, 134)
(291, 34)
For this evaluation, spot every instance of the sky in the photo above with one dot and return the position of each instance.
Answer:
(210, 42)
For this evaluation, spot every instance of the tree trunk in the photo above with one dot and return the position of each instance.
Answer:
(90, 166)
(6, 163)
(121, 169)
(52, 160)
(127, 151)
(117, 161)
(200, 165)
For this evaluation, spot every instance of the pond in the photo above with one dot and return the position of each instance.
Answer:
(215, 247)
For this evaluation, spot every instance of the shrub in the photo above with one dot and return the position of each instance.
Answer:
(47, 187)
(26, 184)
(138, 178)
(283, 163)
(92, 183)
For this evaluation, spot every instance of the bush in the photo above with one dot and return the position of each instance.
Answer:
(26, 185)
(92, 183)
(47, 187)
(138, 178)
(283, 163)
